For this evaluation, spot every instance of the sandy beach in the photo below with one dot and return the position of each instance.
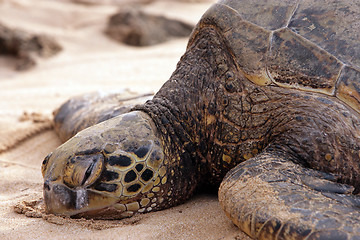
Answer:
(89, 61)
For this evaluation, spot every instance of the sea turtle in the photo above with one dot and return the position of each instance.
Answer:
(265, 102)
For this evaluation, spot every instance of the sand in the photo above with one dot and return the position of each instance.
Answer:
(89, 62)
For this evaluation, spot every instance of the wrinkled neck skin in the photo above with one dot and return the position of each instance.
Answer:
(185, 110)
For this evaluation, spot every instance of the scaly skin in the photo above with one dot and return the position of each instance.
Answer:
(291, 158)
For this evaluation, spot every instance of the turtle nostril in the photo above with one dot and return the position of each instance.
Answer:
(47, 186)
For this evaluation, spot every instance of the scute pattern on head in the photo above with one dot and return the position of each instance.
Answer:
(102, 163)
(135, 162)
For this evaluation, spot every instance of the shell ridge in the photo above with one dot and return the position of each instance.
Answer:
(293, 13)
(338, 80)
(311, 43)
(315, 46)
(357, 68)
(243, 19)
(222, 4)
(267, 56)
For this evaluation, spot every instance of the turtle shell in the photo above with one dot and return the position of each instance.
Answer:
(308, 45)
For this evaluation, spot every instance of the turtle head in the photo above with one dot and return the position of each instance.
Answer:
(112, 170)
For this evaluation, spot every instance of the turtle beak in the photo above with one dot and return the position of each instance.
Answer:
(60, 199)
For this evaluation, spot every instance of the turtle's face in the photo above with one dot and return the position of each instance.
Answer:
(110, 170)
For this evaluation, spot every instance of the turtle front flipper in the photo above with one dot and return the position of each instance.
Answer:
(270, 197)
(89, 109)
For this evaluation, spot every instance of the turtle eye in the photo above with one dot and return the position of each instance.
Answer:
(88, 172)
(83, 170)
(44, 164)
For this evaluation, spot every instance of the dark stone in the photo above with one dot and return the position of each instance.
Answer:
(137, 28)
(23, 46)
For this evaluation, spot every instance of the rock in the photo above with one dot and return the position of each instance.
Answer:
(135, 27)
(26, 47)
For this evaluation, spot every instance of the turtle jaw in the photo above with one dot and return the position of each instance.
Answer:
(61, 200)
